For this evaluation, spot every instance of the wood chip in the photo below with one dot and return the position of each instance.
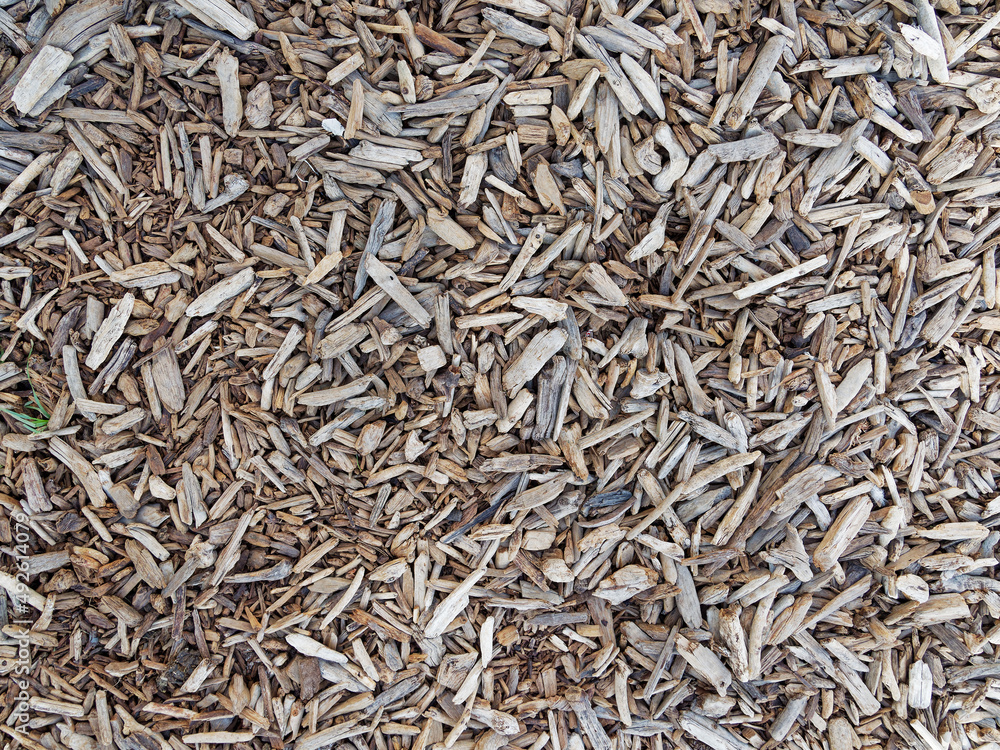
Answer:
(519, 374)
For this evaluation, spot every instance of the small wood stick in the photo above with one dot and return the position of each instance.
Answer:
(703, 477)
(20, 184)
(756, 80)
(790, 274)
(357, 112)
(390, 284)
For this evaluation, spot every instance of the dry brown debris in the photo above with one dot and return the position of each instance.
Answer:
(526, 373)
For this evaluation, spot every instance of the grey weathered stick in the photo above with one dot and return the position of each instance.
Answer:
(937, 62)
(381, 225)
(386, 280)
(221, 15)
(211, 299)
(789, 274)
(110, 331)
(227, 68)
(452, 605)
(15, 189)
(748, 149)
(48, 64)
(92, 157)
(756, 80)
(703, 477)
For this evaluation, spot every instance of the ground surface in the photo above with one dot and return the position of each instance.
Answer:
(467, 375)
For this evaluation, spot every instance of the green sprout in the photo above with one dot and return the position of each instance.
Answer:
(38, 421)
